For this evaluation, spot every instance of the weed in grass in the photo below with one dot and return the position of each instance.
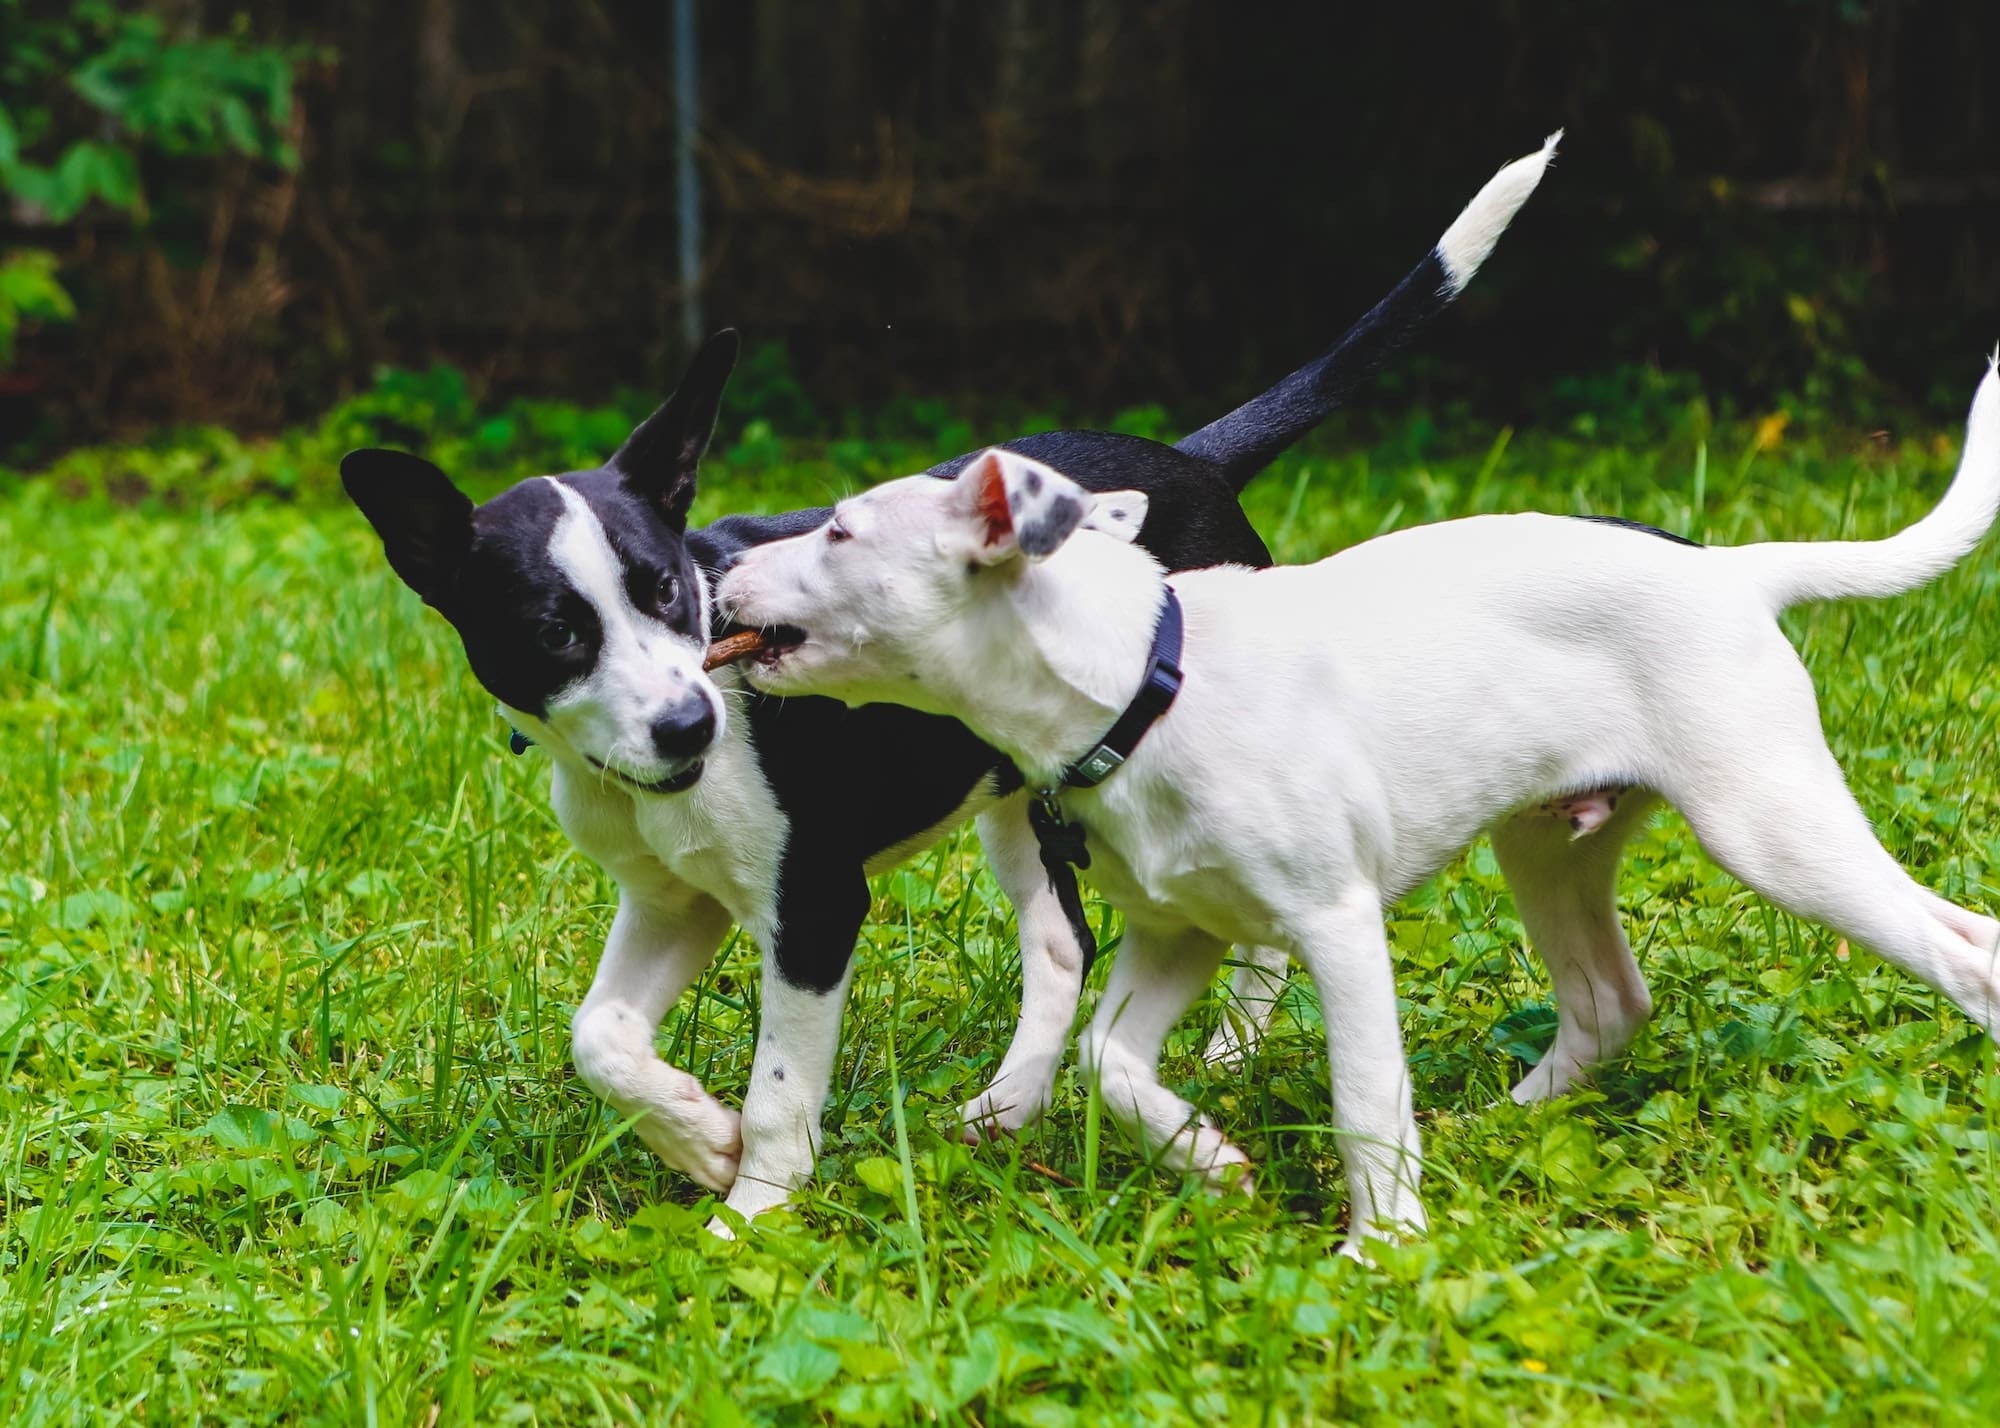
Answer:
(288, 947)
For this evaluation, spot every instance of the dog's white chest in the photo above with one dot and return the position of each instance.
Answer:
(728, 841)
(724, 837)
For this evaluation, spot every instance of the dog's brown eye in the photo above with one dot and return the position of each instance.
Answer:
(836, 533)
(557, 637)
(670, 591)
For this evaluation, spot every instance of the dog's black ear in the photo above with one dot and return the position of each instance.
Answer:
(425, 522)
(660, 458)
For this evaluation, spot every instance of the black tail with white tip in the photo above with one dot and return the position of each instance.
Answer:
(1246, 441)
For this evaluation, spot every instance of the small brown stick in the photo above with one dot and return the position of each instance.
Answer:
(731, 648)
(1055, 1175)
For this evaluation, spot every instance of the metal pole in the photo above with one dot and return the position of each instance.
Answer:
(687, 191)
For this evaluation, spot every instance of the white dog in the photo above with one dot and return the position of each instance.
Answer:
(1347, 727)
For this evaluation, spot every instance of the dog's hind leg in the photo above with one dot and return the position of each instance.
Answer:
(1346, 949)
(1784, 822)
(1155, 980)
(1976, 927)
(658, 945)
(1051, 978)
(1256, 986)
(1566, 889)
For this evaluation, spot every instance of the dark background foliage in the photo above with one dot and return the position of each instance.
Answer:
(1078, 203)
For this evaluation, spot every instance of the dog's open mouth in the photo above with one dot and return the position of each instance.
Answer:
(779, 641)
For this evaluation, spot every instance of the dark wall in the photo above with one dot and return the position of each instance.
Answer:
(1085, 200)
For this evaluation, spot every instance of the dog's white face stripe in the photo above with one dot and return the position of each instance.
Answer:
(643, 666)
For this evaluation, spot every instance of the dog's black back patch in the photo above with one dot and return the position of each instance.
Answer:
(1192, 520)
(720, 545)
(1641, 527)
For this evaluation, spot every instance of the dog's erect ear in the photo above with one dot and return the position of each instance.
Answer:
(1118, 514)
(660, 458)
(1020, 507)
(425, 522)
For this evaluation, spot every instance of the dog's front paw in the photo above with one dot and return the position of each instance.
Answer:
(713, 1167)
(750, 1197)
(1004, 1109)
(698, 1136)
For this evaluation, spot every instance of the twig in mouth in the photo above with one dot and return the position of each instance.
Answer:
(731, 648)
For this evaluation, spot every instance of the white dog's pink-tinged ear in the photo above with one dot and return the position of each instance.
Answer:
(1118, 514)
(1020, 507)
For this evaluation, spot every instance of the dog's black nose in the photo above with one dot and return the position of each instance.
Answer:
(685, 729)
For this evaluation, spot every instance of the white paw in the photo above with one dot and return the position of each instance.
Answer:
(698, 1136)
(1552, 1076)
(1226, 1050)
(1404, 1221)
(750, 1197)
(1220, 1163)
(1005, 1108)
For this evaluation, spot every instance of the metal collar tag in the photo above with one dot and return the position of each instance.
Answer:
(1155, 696)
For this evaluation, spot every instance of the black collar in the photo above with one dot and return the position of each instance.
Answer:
(1155, 697)
(1062, 840)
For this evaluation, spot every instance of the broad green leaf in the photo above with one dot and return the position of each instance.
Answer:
(320, 1098)
(881, 1173)
(797, 1368)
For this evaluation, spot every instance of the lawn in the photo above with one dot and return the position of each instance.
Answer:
(289, 945)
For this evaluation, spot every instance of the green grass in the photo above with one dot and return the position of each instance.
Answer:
(288, 947)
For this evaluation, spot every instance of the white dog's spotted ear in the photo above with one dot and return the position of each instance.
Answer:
(1020, 507)
(1118, 514)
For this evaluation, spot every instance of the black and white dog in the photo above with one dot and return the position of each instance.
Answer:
(584, 605)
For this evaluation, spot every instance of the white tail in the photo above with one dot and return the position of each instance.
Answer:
(1473, 233)
(1793, 572)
